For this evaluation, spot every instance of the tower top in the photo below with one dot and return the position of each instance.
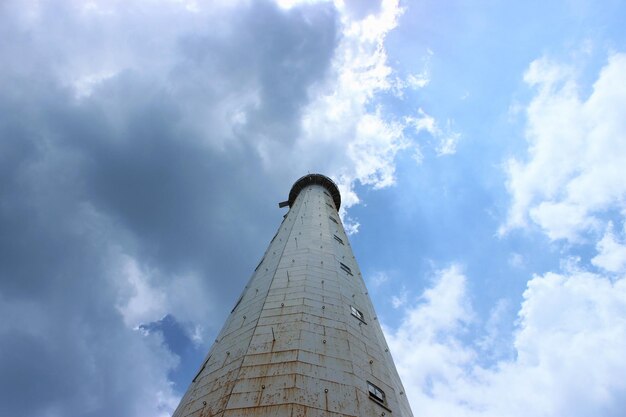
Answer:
(319, 179)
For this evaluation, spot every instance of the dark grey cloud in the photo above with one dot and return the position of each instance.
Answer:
(308, 33)
(156, 164)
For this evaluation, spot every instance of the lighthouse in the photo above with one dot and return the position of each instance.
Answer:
(303, 338)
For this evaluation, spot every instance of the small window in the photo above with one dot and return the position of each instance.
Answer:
(376, 393)
(357, 313)
(326, 193)
(345, 268)
(333, 219)
(338, 239)
(330, 205)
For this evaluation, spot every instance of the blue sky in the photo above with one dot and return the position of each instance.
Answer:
(480, 150)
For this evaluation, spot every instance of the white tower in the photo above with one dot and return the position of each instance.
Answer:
(303, 339)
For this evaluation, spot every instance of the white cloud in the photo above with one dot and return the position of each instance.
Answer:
(413, 81)
(447, 138)
(350, 225)
(576, 154)
(377, 279)
(142, 303)
(611, 252)
(423, 121)
(425, 347)
(145, 296)
(343, 133)
(568, 359)
(420, 80)
(400, 299)
(84, 86)
(493, 343)
(448, 142)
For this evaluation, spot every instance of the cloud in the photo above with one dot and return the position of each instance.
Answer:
(143, 152)
(424, 346)
(611, 252)
(420, 80)
(377, 279)
(493, 344)
(570, 187)
(564, 322)
(577, 146)
(447, 138)
(340, 133)
(399, 300)
(414, 81)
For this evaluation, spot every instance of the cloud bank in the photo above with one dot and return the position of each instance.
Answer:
(568, 346)
(577, 148)
(142, 152)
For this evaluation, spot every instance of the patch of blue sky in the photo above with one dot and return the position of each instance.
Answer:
(430, 220)
(447, 209)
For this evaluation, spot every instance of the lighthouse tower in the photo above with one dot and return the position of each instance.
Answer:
(303, 339)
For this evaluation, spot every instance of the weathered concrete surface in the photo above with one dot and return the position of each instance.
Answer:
(292, 345)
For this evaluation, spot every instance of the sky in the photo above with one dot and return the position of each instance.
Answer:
(480, 149)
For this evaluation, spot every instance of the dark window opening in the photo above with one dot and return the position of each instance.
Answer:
(326, 193)
(330, 205)
(333, 219)
(345, 268)
(357, 313)
(376, 393)
(338, 239)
